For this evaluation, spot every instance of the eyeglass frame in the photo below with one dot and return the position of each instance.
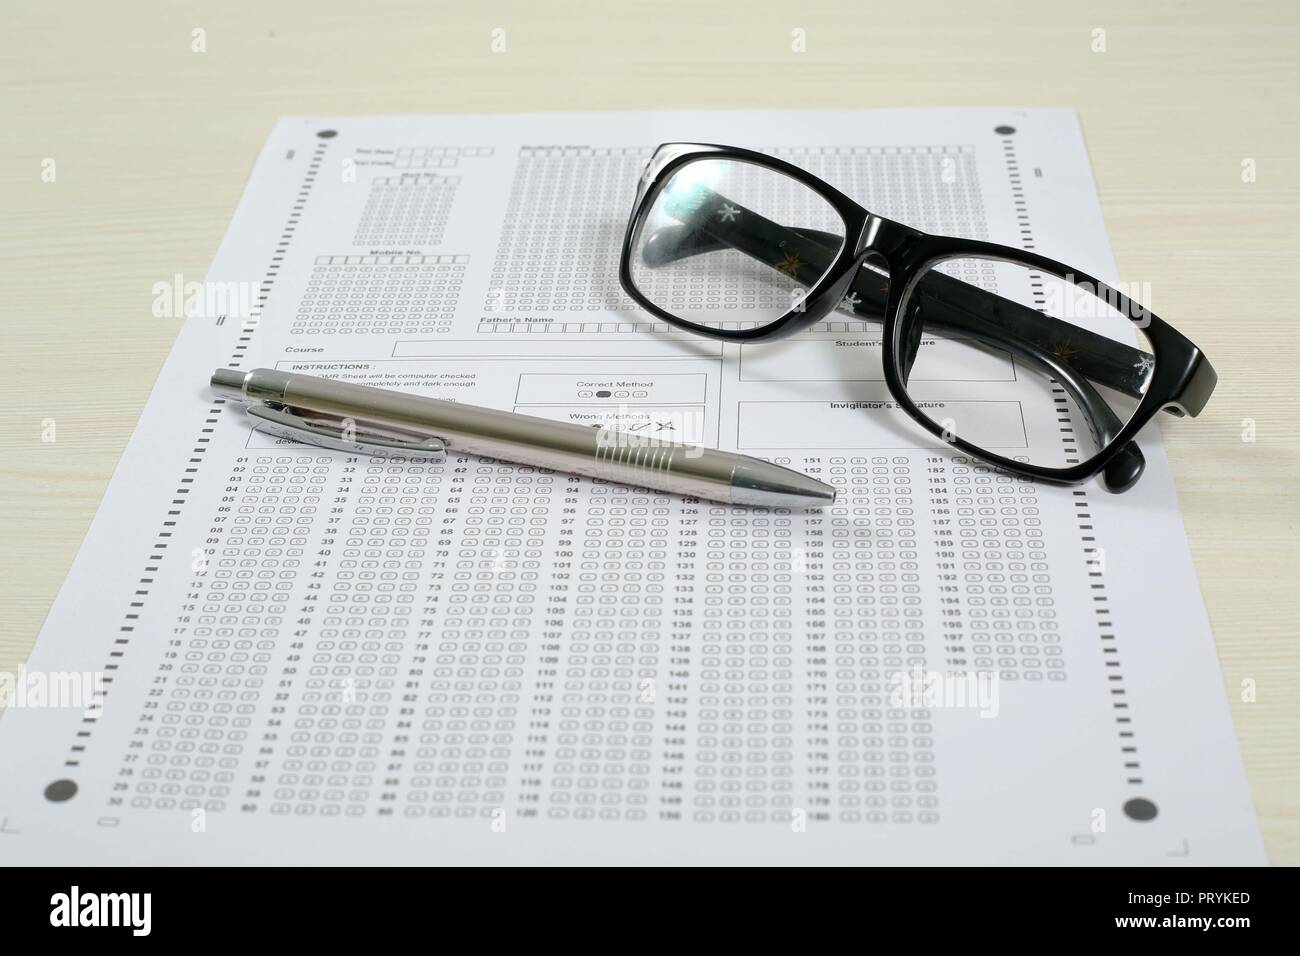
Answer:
(1182, 379)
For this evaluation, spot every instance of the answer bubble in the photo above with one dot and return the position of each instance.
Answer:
(1141, 809)
(61, 790)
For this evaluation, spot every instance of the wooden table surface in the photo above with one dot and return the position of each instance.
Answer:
(1189, 110)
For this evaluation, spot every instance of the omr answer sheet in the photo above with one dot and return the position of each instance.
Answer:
(301, 655)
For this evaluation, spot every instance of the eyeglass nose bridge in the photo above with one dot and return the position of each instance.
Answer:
(882, 236)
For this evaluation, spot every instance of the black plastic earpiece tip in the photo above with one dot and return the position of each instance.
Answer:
(662, 247)
(1124, 469)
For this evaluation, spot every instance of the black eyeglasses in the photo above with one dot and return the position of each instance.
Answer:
(742, 246)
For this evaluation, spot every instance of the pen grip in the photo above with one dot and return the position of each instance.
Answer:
(595, 452)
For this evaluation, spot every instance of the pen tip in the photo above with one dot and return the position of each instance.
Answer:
(756, 482)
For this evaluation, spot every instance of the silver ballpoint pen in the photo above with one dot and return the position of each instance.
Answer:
(363, 419)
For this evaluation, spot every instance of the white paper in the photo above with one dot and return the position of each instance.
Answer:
(317, 658)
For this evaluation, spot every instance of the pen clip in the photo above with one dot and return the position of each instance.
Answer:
(342, 434)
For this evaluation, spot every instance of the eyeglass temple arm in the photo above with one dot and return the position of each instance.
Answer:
(949, 302)
(771, 243)
(960, 305)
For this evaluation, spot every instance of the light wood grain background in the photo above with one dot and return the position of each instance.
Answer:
(153, 143)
